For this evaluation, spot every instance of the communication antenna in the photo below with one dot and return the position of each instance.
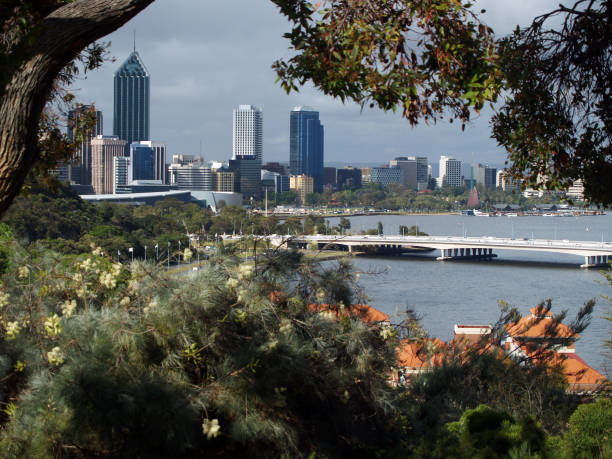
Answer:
(134, 40)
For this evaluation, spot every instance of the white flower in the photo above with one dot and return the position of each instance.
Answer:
(125, 301)
(232, 283)
(108, 280)
(81, 292)
(386, 331)
(321, 294)
(68, 307)
(53, 326)
(4, 299)
(245, 271)
(77, 277)
(147, 309)
(12, 330)
(55, 356)
(187, 254)
(211, 428)
(96, 252)
(23, 272)
(285, 326)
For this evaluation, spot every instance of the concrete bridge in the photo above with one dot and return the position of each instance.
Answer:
(453, 248)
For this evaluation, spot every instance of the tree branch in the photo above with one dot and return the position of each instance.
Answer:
(64, 33)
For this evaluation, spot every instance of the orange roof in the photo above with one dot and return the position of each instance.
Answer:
(580, 376)
(365, 312)
(414, 354)
(541, 311)
(539, 327)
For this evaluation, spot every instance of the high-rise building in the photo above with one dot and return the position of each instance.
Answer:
(409, 171)
(303, 186)
(188, 173)
(142, 161)
(248, 174)
(121, 172)
(484, 175)
(247, 132)
(79, 172)
(422, 171)
(306, 145)
(385, 176)
(450, 172)
(224, 181)
(103, 149)
(159, 159)
(131, 104)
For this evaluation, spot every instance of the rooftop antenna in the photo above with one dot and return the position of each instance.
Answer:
(200, 147)
(134, 40)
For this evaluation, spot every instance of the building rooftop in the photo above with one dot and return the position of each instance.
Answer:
(366, 313)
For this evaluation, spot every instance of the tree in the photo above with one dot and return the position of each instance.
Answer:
(589, 430)
(556, 122)
(41, 42)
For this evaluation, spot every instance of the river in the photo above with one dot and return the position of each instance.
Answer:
(467, 292)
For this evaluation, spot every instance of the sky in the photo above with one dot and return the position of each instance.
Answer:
(207, 57)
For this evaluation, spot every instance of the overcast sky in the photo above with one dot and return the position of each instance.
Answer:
(207, 57)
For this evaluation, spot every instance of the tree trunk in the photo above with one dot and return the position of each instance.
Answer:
(66, 32)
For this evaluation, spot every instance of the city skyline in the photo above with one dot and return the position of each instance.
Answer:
(192, 98)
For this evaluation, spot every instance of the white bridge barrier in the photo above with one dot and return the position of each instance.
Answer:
(451, 248)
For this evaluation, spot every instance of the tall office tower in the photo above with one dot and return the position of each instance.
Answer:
(247, 132)
(103, 149)
(188, 173)
(131, 107)
(330, 178)
(385, 176)
(421, 171)
(450, 172)
(306, 140)
(142, 161)
(159, 159)
(247, 170)
(409, 171)
(80, 171)
(121, 172)
(484, 175)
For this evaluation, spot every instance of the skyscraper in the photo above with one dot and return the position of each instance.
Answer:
(247, 132)
(306, 140)
(159, 156)
(131, 107)
(450, 172)
(103, 149)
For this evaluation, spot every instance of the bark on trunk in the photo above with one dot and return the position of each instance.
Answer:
(66, 32)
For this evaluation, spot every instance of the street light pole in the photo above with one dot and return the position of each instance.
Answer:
(145, 253)
(168, 254)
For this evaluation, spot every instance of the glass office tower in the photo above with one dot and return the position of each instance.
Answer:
(131, 107)
(306, 145)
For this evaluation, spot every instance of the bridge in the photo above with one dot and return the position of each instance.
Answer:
(455, 248)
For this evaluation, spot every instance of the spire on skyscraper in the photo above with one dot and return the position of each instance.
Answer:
(131, 101)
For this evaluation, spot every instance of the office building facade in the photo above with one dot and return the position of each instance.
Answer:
(159, 159)
(132, 101)
(142, 161)
(248, 175)
(188, 173)
(103, 150)
(422, 171)
(247, 132)
(306, 145)
(121, 173)
(450, 172)
(385, 176)
(409, 171)
(484, 175)
(303, 186)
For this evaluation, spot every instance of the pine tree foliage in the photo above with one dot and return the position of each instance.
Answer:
(146, 364)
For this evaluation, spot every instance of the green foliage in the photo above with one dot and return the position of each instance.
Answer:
(421, 58)
(96, 360)
(590, 430)
(555, 122)
(486, 433)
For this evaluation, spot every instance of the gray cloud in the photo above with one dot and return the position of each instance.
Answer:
(207, 57)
